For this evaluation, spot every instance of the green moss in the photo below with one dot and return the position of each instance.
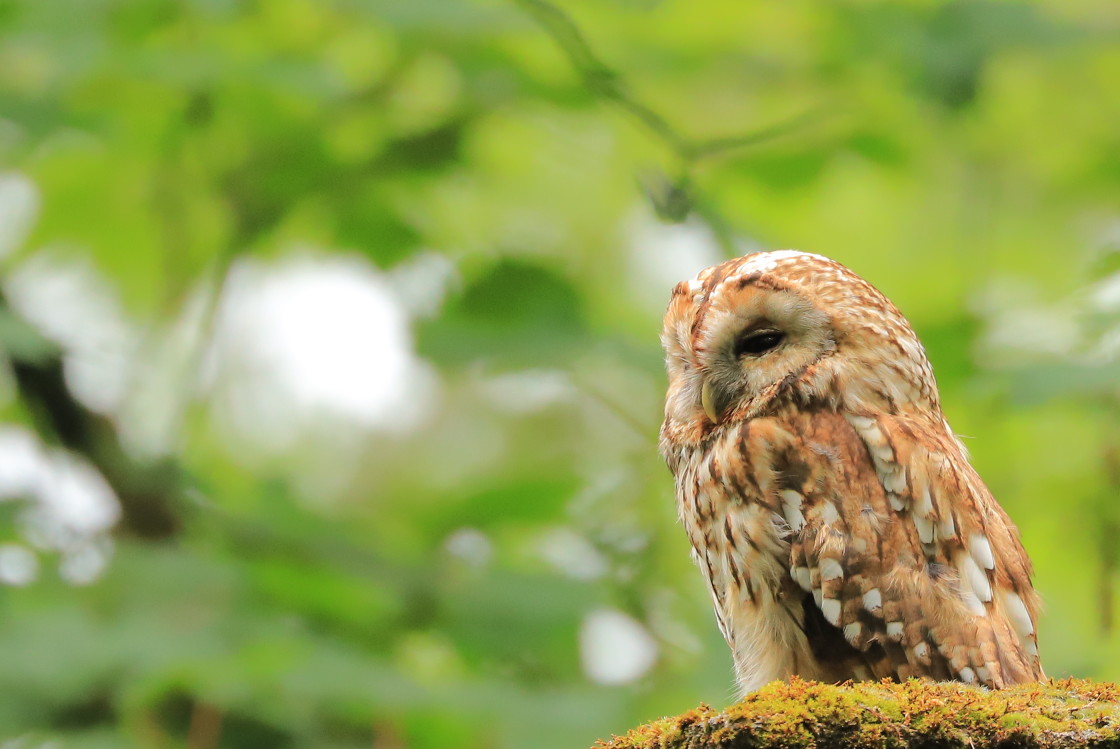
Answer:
(912, 715)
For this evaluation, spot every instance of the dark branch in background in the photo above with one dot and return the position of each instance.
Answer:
(608, 85)
(148, 491)
(601, 80)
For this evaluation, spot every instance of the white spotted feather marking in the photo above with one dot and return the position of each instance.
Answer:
(924, 504)
(791, 509)
(852, 632)
(947, 528)
(883, 453)
(981, 550)
(972, 603)
(972, 576)
(1018, 615)
(801, 577)
(831, 569)
(894, 480)
(830, 607)
(861, 423)
(925, 528)
(892, 475)
(829, 514)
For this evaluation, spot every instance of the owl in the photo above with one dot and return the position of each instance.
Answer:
(834, 514)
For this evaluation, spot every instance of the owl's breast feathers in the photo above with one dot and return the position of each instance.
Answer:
(840, 545)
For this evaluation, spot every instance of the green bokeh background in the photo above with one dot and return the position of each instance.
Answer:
(556, 168)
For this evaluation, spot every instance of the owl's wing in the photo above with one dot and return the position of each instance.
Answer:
(908, 565)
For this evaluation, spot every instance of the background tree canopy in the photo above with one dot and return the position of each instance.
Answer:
(331, 378)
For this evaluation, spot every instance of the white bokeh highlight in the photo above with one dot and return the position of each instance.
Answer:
(70, 509)
(65, 298)
(1021, 329)
(571, 554)
(470, 545)
(18, 565)
(615, 648)
(19, 208)
(312, 338)
(661, 255)
(527, 390)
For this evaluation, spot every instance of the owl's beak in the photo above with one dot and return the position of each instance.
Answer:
(708, 401)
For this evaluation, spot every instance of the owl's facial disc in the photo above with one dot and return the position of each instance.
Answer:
(756, 338)
(756, 341)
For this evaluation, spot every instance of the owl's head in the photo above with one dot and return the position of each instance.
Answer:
(786, 323)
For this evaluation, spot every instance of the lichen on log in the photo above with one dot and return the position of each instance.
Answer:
(911, 715)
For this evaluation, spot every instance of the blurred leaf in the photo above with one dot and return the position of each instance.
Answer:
(944, 48)
(22, 340)
(949, 346)
(533, 500)
(514, 313)
(790, 170)
(1044, 382)
(354, 602)
(880, 147)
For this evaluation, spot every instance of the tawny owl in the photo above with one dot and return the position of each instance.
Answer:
(830, 507)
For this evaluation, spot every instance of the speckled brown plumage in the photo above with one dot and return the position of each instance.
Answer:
(830, 507)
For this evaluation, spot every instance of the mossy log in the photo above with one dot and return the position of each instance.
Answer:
(915, 715)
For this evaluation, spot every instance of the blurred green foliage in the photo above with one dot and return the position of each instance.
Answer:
(562, 166)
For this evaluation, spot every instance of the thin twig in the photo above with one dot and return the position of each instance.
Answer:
(642, 430)
(607, 84)
(720, 146)
(599, 78)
